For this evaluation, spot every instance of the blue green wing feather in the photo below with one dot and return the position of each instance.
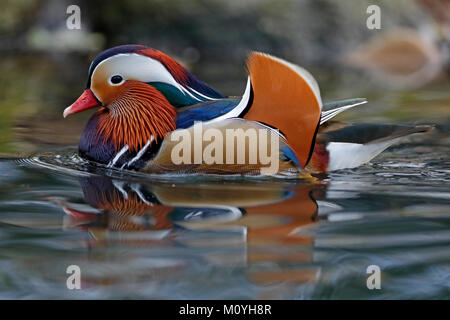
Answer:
(204, 111)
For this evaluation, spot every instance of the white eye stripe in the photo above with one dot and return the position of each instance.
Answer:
(134, 66)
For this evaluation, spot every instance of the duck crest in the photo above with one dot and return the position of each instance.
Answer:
(180, 74)
(191, 90)
(194, 90)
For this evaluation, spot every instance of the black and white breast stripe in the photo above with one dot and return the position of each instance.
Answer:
(124, 159)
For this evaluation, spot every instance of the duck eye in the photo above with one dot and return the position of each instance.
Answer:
(116, 79)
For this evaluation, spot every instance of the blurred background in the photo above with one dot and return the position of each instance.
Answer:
(146, 237)
(402, 68)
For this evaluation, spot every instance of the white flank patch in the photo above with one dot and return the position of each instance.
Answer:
(344, 155)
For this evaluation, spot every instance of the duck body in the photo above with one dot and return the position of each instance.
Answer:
(156, 156)
(148, 101)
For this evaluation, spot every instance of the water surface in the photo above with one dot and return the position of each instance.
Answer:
(197, 237)
(137, 236)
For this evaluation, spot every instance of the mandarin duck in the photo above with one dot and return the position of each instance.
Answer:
(146, 98)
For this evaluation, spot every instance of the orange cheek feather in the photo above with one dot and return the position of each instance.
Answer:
(134, 112)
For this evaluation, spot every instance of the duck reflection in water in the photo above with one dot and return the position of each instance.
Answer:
(258, 217)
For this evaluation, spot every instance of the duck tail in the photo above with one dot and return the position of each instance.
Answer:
(349, 146)
(286, 97)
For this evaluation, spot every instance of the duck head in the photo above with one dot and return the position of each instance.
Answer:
(137, 90)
